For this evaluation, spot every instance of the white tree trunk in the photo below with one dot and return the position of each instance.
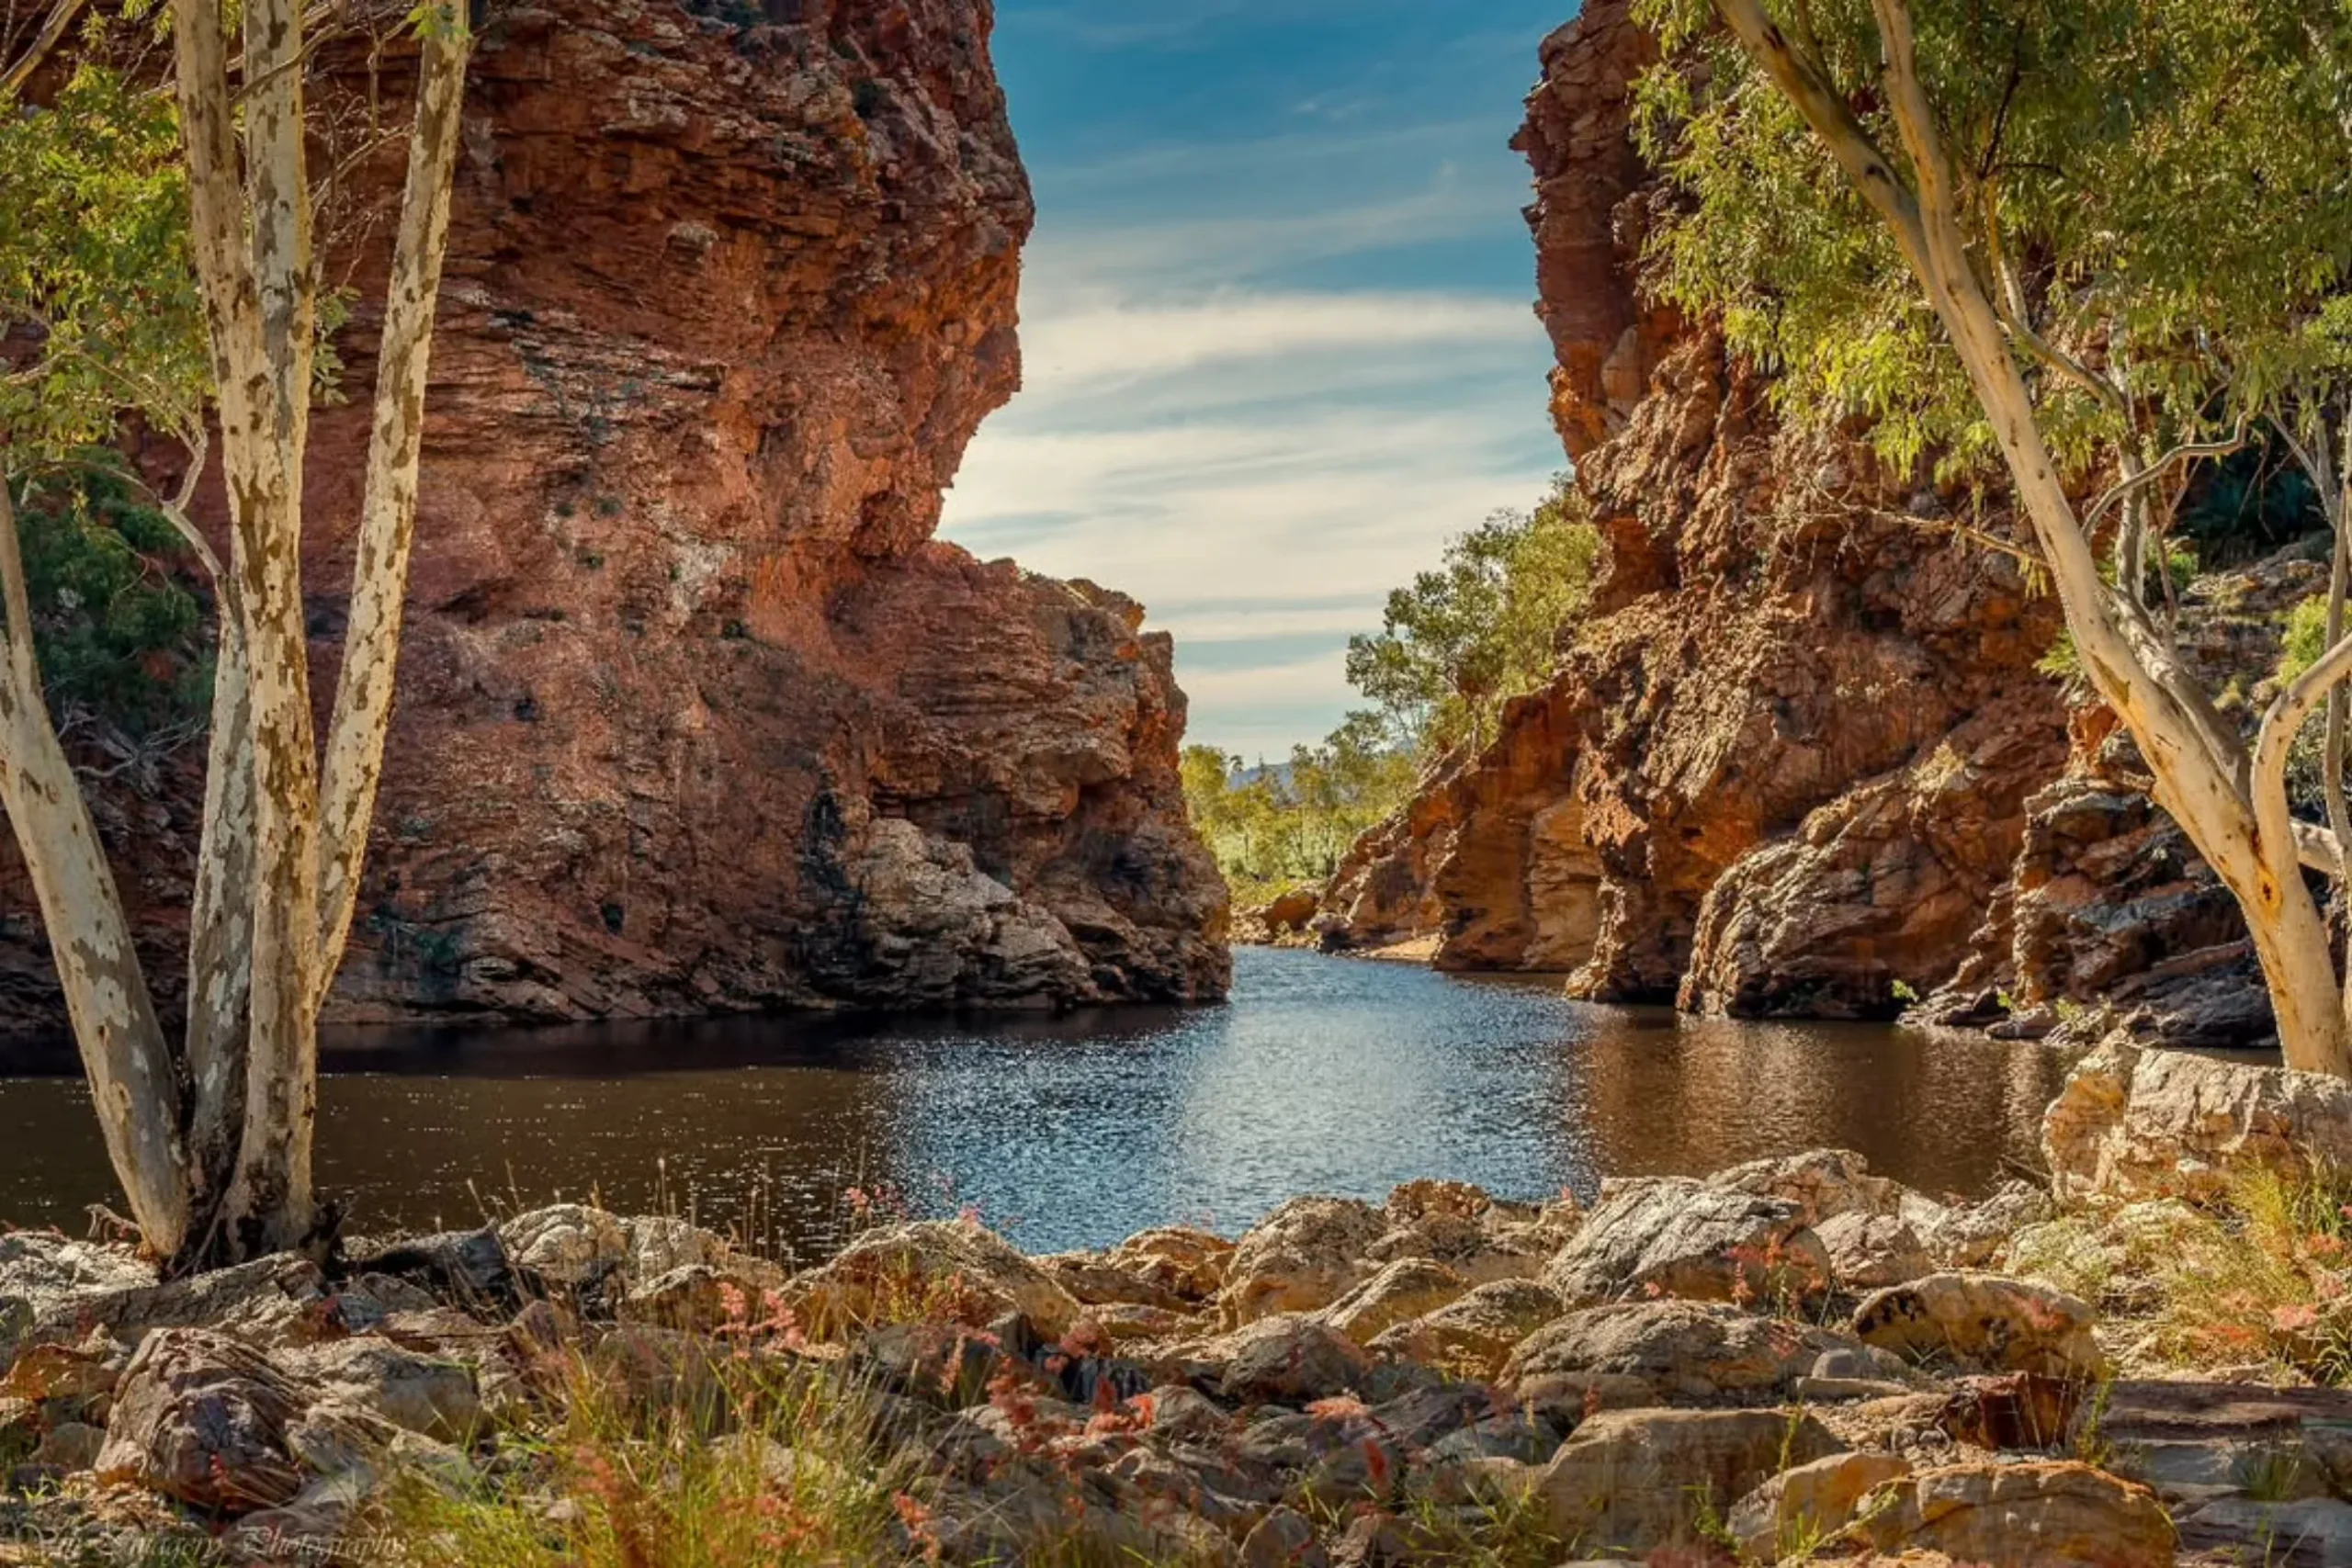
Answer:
(123, 1053)
(363, 710)
(2202, 774)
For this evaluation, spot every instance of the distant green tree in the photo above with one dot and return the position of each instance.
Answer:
(1271, 828)
(1460, 641)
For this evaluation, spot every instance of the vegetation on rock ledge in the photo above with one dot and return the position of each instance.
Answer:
(1455, 645)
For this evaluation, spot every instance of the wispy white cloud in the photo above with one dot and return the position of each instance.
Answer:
(1254, 398)
(1225, 250)
(1260, 469)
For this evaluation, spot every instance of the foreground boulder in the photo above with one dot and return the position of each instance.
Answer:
(1632, 1482)
(943, 1268)
(1811, 1504)
(2133, 1123)
(1668, 1236)
(1664, 1352)
(1303, 1256)
(1983, 1323)
(426, 1394)
(202, 1418)
(2024, 1516)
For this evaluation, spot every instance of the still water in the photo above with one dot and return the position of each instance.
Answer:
(1322, 1075)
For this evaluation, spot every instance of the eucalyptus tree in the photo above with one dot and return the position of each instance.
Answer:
(1459, 641)
(2081, 243)
(170, 272)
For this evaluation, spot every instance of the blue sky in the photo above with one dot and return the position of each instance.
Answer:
(1277, 322)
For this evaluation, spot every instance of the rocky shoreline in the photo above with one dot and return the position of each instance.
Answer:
(1793, 1359)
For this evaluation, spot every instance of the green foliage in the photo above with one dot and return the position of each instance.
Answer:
(1463, 639)
(99, 302)
(1275, 828)
(2305, 639)
(117, 637)
(95, 274)
(2165, 175)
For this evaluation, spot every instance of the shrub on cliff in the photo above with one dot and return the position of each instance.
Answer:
(2071, 243)
(1458, 642)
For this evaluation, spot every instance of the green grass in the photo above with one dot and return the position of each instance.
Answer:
(2261, 1277)
(771, 1463)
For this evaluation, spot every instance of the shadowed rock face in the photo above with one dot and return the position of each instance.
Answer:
(1781, 767)
(1800, 753)
(694, 714)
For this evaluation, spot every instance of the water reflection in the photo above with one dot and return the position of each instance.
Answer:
(1322, 1075)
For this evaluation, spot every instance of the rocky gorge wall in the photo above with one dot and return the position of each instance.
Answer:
(1799, 761)
(695, 715)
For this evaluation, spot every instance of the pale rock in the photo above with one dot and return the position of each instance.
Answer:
(1405, 1289)
(1822, 1183)
(2134, 1122)
(425, 1394)
(703, 1297)
(1869, 1251)
(2059, 1514)
(1185, 1261)
(1473, 1336)
(569, 1244)
(1464, 1245)
(1984, 1322)
(928, 1268)
(1302, 1257)
(1679, 1238)
(657, 1244)
(1969, 1235)
(1635, 1481)
(1625, 1354)
(1811, 1504)
(277, 1300)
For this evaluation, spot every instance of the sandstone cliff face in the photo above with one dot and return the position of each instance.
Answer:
(693, 715)
(1799, 761)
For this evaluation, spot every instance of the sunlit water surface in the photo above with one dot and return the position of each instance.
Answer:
(1321, 1075)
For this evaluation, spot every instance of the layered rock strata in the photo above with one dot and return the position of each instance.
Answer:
(1800, 759)
(695, 715)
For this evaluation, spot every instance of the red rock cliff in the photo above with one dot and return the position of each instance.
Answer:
(694, 714)
(1799, 761)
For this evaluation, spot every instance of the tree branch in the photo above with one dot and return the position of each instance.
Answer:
(354, 756)
(16, 602)
(2274, 823)
(2138, 479)
(2010, 304)
(44, 44)
(132, 1084)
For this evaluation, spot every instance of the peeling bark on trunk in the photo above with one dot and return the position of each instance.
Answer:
(363, 710)
(132, 1084)
(221, 923)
